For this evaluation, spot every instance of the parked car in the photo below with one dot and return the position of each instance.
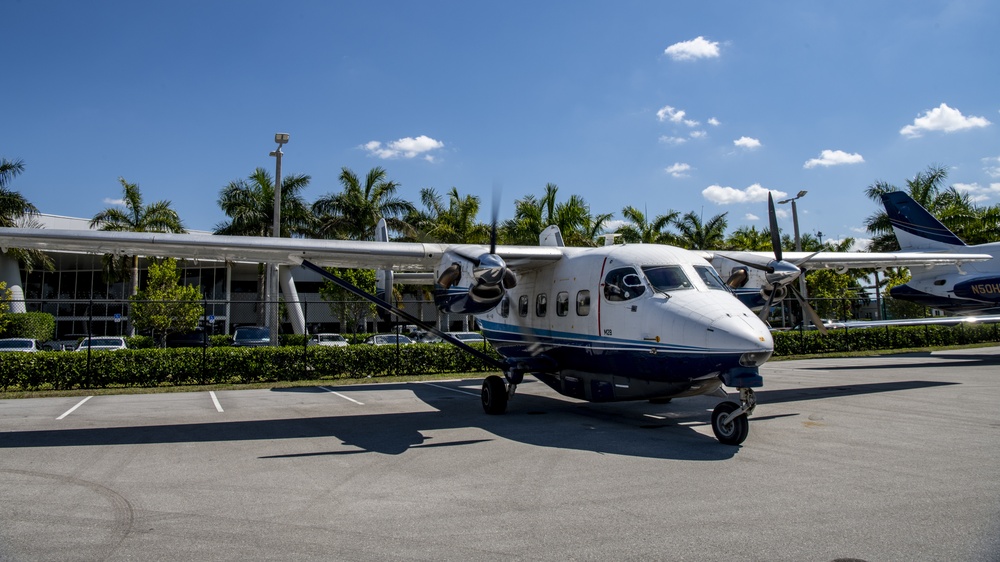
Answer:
(328, 340)
(65, 343)
(252, 336)
(18, 344)
(193, 338)
(388, 339)
(467, 337)
(102, 344)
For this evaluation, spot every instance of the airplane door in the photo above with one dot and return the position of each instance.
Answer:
(621, 289)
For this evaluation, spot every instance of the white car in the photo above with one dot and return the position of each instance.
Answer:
(18, 344)
(328, 340)
(467, 337)
(102, 344)
(388, 339)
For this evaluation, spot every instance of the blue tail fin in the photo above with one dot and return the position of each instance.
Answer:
(915, 228)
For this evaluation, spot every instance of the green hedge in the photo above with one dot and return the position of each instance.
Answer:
(222, 364)
(883, 337)
(226, 365)
(35, 325)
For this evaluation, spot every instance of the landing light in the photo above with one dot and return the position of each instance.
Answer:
(754, 358)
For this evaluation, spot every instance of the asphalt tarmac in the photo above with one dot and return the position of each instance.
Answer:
(884, 458)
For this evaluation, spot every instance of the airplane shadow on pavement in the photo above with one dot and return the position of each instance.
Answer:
(622, 428)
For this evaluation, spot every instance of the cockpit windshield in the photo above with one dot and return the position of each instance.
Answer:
(711, 278)
(665, 278)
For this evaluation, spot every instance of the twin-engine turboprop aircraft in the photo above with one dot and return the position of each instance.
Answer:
(612, 323)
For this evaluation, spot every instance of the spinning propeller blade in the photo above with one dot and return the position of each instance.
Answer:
(772, 217)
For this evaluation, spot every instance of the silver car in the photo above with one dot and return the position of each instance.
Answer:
(18, 344)
(328, 340)
(388, 339)
(102, 344)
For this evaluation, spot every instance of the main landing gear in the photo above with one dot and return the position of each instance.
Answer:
(496, 393)
(729, 419)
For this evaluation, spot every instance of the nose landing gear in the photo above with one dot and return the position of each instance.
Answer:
(729, 419)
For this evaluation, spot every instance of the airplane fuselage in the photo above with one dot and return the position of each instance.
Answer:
(629, 322)
(971, 288)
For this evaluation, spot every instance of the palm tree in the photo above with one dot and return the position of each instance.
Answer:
(135, 217)
(354, 212)
(749, 239)
(249, 204)
(698, 235)
(639, 229)
(573, 217)
(454, 223)
(17, 211)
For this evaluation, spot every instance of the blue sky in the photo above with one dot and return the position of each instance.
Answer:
(700, 106)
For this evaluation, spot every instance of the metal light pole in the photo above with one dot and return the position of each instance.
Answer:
(798, 243)
(271, 289)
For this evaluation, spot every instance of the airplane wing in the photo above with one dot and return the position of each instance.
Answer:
(401, 256)
(857, 260)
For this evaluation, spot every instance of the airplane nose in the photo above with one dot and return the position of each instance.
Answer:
(740, 331)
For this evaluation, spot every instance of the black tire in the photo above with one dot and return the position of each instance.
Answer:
(736, 431)
(494, 395)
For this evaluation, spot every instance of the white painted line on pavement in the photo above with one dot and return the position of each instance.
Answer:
(78, 404)
(331, 391)
(449, 388)
(215, 400)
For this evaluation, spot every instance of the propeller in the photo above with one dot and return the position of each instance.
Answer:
(492, 278)
(778, 273)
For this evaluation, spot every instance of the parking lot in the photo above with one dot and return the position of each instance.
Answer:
(881, 458)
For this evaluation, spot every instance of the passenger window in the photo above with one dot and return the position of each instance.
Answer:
(562, 304)
(522, 305)
(583, 303)
(623, 284)
(505, 306)
(541, 305)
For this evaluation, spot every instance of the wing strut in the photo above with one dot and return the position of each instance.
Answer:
(406, 316)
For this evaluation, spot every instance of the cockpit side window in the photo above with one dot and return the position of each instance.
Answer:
(666, 278)
(623, 284)
(711, 278)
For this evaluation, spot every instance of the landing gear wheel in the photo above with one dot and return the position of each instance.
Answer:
(494, 395)
(734, 432)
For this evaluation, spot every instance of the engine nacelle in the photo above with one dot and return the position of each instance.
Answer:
(470, 286)
(780, 292)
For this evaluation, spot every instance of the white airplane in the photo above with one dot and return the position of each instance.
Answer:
(612, 323)
(971, 289)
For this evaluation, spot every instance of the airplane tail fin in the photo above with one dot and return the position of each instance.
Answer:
(915, 228)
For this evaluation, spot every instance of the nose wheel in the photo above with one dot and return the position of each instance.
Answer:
(729, 419)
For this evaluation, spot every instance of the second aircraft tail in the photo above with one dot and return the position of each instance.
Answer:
(915, 227)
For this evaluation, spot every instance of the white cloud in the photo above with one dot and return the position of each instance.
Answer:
(673, 140)
(698, 134)
(728, 195)
(751, 217)
(747, 143)
(679, 170)
(713, 122)
(942, 118)
(834, 158)
(978, 193)
(992, 166)
(407, 147)
(110, 201)
(674, 115)
(697, 48)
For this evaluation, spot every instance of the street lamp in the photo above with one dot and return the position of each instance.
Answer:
(798, 242)
(271, 286)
